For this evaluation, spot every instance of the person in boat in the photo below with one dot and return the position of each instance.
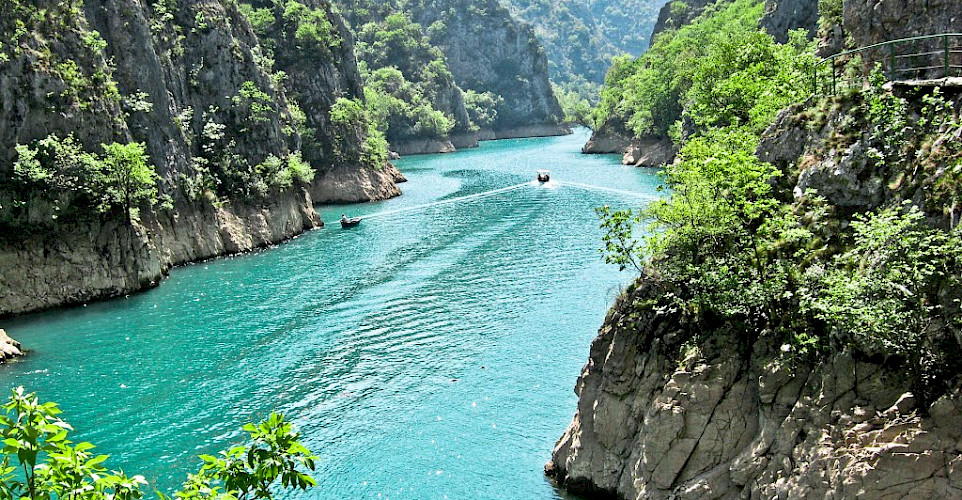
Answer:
(344, 218)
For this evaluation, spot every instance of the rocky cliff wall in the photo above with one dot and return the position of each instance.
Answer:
(210, 100)
(782, 16)
(82, 262)
(658, 421)
(662, 416)
(873, 21)
(490, 51)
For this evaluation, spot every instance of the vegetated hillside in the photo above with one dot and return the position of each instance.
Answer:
(645, 107)
(581, 38)
(425, 103)
(795, 330)
(138, 136)
(410, 91)
(489, 51)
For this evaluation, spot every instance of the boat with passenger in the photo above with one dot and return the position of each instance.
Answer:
(544, 176)
(346, 222)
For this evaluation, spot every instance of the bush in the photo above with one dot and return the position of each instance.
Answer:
(40, 462)
(351, 115)
(122, 178)
(893, 293)
(720, 70)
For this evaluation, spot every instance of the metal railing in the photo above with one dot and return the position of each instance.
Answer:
(928, 57)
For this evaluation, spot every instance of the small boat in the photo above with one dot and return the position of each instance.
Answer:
(544, 176)
(350, 222)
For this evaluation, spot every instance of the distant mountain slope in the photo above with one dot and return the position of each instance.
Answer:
(581, 36)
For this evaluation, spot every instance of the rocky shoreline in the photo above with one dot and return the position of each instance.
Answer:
(91, 261)
(638, 151)
(720, 424)
(468, 140)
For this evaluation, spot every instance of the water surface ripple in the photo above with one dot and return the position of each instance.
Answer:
(428, 354)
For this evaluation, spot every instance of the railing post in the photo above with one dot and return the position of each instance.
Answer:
(945, 43)
(892, 62)
(833, 77)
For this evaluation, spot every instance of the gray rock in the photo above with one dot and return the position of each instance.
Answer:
(782, 16)
(725, 429)
(9, 348)
(649, 152)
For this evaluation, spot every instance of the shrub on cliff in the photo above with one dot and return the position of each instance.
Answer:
(720, 70)
(895, 293)
(732, 250)
(40, 462)
(118, 180)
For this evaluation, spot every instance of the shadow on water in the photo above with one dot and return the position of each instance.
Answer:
(429, 354)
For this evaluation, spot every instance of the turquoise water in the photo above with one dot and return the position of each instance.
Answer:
(427, 354)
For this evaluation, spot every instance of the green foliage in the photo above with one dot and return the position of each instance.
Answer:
(887, 116)
(311, 26)
(575, 105)
(621, 247)
(282, 173)
(40, 462)
(720, 68)
(482, 107)
(400, 109)
(122, 178)
(895, 292)
(408, 85)
(351, 115)
(254, 102)
(293, 23)
(130, 178)
(829, 15)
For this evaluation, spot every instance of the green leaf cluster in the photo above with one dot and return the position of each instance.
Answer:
(40, 462)
(720, 70)
(119, 179)
(352, 115)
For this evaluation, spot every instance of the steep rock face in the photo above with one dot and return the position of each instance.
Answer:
(347, 185)
(88, 261)
(873, 21)
(674, 15)
(489, 51)
(193, 83)
(649, 152)
(655, 422)
(782, 16)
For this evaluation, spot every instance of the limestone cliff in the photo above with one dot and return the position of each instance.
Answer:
(488, 50)
(656, 421)
(216, 106)
(732, 415)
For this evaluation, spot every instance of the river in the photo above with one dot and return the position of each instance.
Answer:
(428, 353)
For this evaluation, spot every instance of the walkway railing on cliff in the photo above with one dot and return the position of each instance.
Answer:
(930, 57)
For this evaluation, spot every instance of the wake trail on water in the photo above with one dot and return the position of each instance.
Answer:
(493, 192)
(450, 200)
(589, 187)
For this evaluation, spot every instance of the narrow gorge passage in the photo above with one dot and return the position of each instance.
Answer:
(427, 354)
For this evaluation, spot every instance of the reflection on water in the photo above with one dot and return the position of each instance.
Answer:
(428, 354)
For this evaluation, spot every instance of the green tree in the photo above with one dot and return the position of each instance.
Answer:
(40, 462)
(891, 293)
(129, 177)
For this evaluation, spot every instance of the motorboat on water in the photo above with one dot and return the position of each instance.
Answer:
(544, 176)
(353, 221)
